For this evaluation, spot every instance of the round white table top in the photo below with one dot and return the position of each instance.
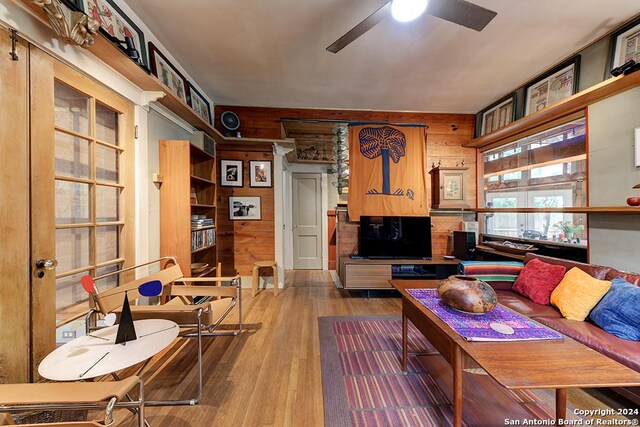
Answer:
(97, 354)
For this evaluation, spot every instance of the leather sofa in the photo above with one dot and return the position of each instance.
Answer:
(624, 351)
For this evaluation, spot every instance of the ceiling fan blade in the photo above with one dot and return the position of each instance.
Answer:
(364, 26)
(461, 12)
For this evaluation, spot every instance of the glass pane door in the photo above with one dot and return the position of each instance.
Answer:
(88, 208)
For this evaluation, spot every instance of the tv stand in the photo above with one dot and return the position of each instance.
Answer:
(366, 274)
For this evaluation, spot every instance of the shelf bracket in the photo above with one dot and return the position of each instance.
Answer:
(149, 96)
(73, 27)
(281, 149)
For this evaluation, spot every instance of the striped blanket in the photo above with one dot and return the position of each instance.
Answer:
(491, 271)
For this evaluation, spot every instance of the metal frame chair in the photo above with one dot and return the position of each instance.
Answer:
(193, 318)
(73, 396)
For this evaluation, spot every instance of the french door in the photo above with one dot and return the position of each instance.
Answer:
(83, 159)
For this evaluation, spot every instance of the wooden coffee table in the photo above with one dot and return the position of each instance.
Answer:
(550, 364)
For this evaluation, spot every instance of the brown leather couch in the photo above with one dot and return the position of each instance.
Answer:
(624, 351)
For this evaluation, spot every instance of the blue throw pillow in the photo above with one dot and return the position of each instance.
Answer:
(618, 312)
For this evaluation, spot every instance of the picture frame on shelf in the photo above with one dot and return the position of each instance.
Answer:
(199, 104)
(115, 23)
(167, 73)
(245, 208)
(553, 86)
(498, 114)
(624, 46)
(260, 173)
(231, 173)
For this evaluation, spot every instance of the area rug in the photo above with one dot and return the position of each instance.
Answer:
(363, 383)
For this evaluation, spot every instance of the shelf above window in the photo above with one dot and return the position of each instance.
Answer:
(559, 110)
(621, 210)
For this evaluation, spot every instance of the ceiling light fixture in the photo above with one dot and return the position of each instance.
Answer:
(407, 10)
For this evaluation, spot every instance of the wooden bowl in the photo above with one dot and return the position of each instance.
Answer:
(468, 294)
(198, 267)
(633, 201)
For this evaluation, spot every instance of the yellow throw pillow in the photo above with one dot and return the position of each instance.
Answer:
(578, 293)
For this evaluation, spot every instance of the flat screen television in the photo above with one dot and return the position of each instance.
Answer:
(395, 237)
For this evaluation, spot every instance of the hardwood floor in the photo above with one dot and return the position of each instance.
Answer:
(270, 376)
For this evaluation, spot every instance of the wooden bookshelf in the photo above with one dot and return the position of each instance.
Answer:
(185, 167)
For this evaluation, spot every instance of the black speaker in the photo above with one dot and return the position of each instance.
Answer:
(464, 245)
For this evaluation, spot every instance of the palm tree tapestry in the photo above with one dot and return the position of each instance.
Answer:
(387, 170)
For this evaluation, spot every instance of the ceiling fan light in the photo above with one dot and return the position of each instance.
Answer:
(407, 10)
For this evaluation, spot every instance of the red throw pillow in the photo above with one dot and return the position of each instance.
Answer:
(538, 279)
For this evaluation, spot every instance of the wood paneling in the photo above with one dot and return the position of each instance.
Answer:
(446, 133)
(347, 236)
(442, 234)
(331, 232)
(258, 122)
(241, 243)
(14, 211)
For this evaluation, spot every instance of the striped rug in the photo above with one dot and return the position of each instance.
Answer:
(363, 384)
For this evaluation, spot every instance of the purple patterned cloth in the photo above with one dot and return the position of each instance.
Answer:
(476, 327)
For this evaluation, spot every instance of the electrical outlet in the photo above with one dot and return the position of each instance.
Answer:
(68, 334)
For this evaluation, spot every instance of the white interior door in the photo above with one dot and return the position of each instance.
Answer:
(307, 221)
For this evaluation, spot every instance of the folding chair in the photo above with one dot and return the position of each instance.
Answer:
(72, 396)
(193, 317)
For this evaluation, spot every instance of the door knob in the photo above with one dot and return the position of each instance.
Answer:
(47, 264)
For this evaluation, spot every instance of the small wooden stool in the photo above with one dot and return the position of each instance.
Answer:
(256, 275)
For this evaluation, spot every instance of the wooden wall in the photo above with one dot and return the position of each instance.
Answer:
(445, 135)
(241, 243)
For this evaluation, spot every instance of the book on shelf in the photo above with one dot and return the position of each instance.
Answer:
(203, 238)
(198, 221)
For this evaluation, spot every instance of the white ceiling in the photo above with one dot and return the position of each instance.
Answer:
(272, 52)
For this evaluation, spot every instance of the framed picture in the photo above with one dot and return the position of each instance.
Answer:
(75, 4)
(231, 173)
(168, 73)
(558, 84)
(625, 45)
(453, 186)
(115, 23)
(260, 173)
(199, 104)
(498, 114)
(244, 208)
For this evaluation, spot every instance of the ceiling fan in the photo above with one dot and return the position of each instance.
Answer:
(459, 12)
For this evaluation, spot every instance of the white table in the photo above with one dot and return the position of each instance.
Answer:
(97, 354)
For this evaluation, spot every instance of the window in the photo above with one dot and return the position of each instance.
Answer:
(545, 170)
(88, 189)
